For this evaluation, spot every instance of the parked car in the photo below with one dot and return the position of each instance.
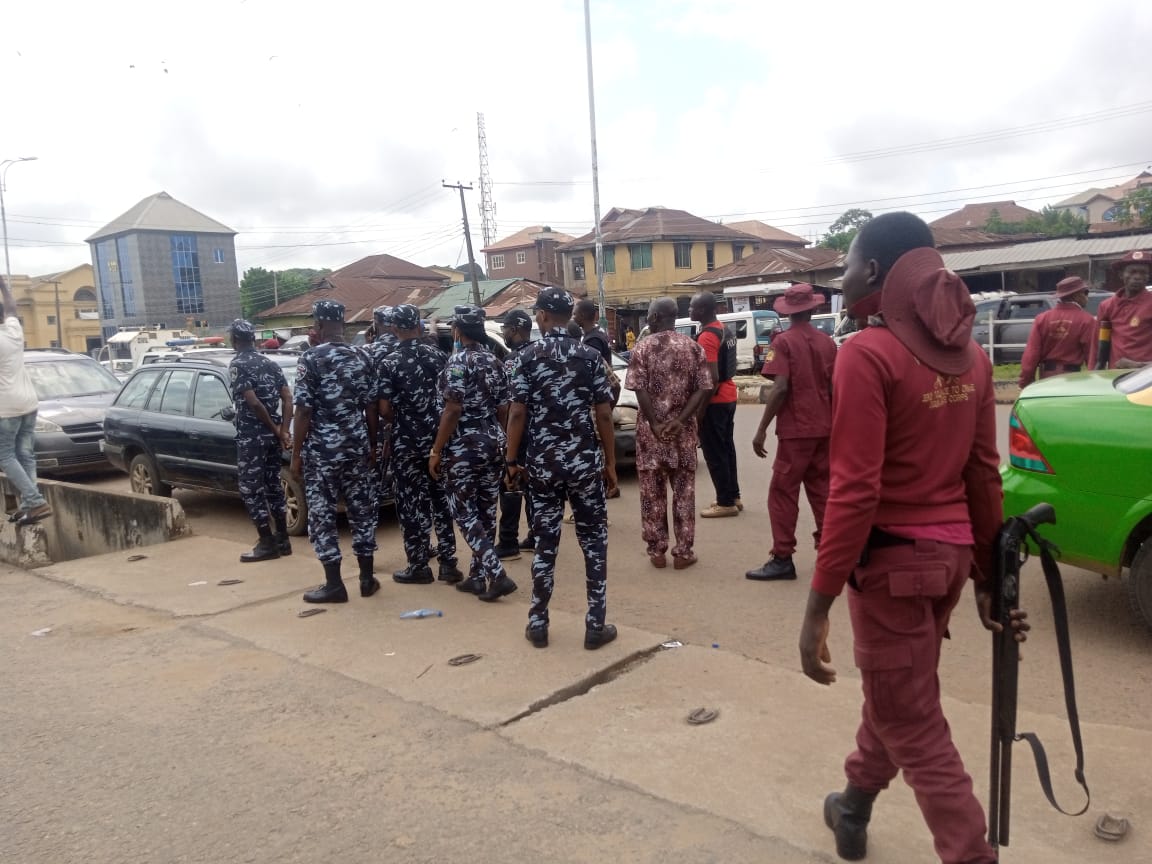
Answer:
(753, 329)
(1080, 443)
(1019, 311)
(74, 392)
(172, 426)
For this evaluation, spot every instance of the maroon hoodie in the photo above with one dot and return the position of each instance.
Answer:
(910, 445)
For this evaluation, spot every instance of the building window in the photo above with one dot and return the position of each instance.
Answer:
(124, 266)
(53, 344)
(640, 256)
(737, 251)
(684, 255)
(186, 274)
(497, 263)
(52, 319)
(521, 257)
(578, 268)
(710, 256)
(105, 278)
(217, 256)
(609, 259)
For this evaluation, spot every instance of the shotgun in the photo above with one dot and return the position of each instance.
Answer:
(1011, 552)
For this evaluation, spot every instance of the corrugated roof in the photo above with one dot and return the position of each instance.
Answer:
(1060, 250)
(1083, 198)
(977, 215)
(656, 223)
(528, 237)
(161, 212)
(521, 294)
(771, 263)
(460, 293)
(775, 236)
(359, 296)
(387, 267)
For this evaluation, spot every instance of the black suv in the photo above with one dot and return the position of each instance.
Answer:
(172, 426)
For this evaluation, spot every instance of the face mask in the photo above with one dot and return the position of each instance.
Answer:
(457, 345)
(865, 307)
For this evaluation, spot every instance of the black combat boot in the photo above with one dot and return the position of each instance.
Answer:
(595, 638)
(283, 544)
(449, 572)
(501, 586)
(847, 814)
(264, 550)
(369, 584)
(333, 590)
(414, 574)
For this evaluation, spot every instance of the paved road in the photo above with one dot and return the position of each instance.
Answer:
(244, 735)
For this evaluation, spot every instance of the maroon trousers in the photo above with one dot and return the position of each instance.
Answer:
(900, 608)
(798, 460)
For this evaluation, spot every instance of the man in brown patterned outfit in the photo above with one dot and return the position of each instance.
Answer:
(669, 374)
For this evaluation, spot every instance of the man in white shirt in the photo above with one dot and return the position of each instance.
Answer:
(18, 404)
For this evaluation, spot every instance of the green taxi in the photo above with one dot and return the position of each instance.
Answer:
(1083, 443)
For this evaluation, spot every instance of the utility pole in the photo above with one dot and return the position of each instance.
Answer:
(275, 289)
(595, 171)
(59, 328)
(467, 238)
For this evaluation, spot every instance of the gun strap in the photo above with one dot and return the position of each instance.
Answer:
(1064, 647)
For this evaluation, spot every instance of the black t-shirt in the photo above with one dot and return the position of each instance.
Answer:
(598, 340)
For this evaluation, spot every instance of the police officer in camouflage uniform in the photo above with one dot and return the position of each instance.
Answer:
(517, 332)
(385, 341)
(409, 403)
(263, 405)
(557, 385)
(380, 342)
(469, 447)
(334, 440)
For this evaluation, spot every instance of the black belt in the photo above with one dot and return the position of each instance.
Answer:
(1053, 366)
(878, 539)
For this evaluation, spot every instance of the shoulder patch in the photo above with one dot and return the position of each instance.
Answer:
(233, 374)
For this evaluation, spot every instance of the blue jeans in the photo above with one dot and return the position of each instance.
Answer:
(18, 457)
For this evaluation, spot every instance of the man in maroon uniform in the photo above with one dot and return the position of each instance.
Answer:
(1061, 338)
(914, 508)
(1125, 319)
(799, 362)
(669, 373)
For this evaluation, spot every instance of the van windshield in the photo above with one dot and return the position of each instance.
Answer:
(766, 327)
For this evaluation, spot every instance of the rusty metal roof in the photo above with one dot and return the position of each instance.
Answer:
(775, 236)
(977, 215)
(656, 223)
(771, 265)
(359, 295)
(1063, 250)
(528, 237)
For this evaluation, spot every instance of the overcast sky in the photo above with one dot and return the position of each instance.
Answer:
(321, 131)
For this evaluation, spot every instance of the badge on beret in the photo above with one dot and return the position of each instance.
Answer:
(1135, 322)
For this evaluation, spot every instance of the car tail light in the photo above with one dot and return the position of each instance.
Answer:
(1022, 450)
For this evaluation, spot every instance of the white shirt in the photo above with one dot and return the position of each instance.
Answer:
(17, 395)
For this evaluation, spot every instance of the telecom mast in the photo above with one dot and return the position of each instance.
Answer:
(487, 205)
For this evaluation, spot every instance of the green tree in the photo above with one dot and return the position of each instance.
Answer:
(1135, 208)
(842, 232)
(261, 289)
(1050, 222)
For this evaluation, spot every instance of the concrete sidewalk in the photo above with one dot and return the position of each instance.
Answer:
(618, 714)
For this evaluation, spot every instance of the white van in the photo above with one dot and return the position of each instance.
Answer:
(747, 326)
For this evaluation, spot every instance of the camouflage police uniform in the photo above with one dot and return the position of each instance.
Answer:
(258, 448)
(383, 344)
(335, 381)
(559, 380)
(473, 458)
(409, 381)
(512, 502)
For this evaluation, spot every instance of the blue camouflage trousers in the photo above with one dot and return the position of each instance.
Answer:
(258, 465)
(442, 523)
(414, 502)
(590, 512)
(324, 485)
(472, 494)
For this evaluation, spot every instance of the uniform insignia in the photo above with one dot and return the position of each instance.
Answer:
(1135, 322)
(770, 356)
(233, 374)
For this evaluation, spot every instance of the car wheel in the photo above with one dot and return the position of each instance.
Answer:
(297, 506)
(145, 479)
(1140, 582)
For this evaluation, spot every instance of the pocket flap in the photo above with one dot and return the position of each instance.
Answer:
(878, 658)
(929, 579)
